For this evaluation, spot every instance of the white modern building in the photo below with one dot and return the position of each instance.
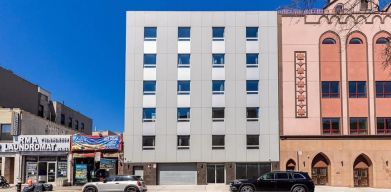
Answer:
(201, 96)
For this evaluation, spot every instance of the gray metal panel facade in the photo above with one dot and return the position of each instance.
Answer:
(201, 24)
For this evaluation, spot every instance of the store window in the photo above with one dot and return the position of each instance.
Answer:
(251, 170)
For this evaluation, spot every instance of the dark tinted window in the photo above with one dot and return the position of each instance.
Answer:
(150, 32)
(218, 87)
(382, 40)
(357, 89)
(218, 33)
(383, 125)
(252, 60)
(251, 33)
(218, 141)
(383, 89)
(149, 87)
(183, 141)
(183, 33)
(150, 60)
(330, 89)
(252, 141)
(252, 86)
(218, 60)
(218, 114)
(282, 176)
(125, 178)
(358, 126)
(148, 142)
(298, 176)
(330, 126)
(252, 113)
(183, 87)
(268, 176)
(355, 41)
(328, 41)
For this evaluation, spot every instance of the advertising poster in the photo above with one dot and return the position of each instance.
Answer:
(93, 143)
(107, 163)
(81, 173)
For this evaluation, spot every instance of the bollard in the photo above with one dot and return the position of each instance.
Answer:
(19, 187)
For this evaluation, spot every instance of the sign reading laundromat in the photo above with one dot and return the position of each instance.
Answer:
(37, 143)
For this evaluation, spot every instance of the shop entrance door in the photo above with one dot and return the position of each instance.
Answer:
(215, 173)
(51, 172)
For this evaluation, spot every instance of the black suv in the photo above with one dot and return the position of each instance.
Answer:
(292, 181)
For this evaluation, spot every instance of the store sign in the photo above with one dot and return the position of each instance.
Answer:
(37, 143)
(93, 143)
(15, 124)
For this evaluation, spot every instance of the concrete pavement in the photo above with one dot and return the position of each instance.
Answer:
(212, 188)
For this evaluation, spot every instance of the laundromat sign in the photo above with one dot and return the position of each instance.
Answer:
(37, 143)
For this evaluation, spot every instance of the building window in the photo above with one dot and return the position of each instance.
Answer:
(183, 87)
(149, 87)
(218, 87)
(329, 41)
(339, 8)
(364, 5)
(382, 41)
(40, 110)
(183, 114)
(383, 89)
(62, 119)
(149, 60)
(218, 60)
(252, 141)
(330, 126)
(6, 132)
(149, 115)
(252, 170)
(183, 60)
(357, 89)
(358, 126)
(183, 141)
(70, 122)
(383, 125)
(355, 41)
(252, 86)
(252, 113)
(218, 141)
(150, 33)
(82, 127)
(218, 33)
(252, 33)
(218, 114)
(76, 125)
(252, 60)
(184, 33)
(330, 89)
(148, 142)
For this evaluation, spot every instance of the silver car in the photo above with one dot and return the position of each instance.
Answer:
(130, 183)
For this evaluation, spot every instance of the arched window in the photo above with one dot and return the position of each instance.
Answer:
(382, 40)
(355, 41)
(338, 8)
(329, 41)
(364, 5)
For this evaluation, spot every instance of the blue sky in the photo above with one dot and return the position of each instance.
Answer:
(76, 48)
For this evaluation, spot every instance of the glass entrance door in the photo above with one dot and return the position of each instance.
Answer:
(215, 173)
(51, 171)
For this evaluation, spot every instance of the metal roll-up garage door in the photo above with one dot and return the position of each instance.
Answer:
(177, 174)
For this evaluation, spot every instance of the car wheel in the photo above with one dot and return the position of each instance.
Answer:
(247, 188)
(131, 189)
(90, 189)
(299, 189)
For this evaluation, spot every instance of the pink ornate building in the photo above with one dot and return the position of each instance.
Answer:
(336, 94)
